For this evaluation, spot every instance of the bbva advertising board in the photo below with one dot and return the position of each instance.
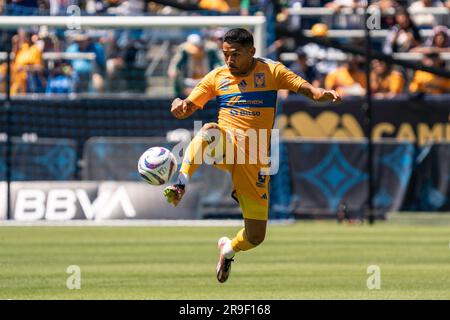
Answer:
(90, 200)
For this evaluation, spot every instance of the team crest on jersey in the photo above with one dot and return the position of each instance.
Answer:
(224, 84)
(260, 80)
(242, 85)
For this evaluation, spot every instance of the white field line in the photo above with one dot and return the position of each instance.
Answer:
(133, 223)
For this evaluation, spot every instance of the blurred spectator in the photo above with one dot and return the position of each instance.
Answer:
(114, 64)
(304, 70)
(403, 36)
(215, 5)
(322, 57)
(385, 82)
(123, 7)
(216, 37)
(293, 22)
(385, 5)
(447, 4)
(279, 46)
(224, 6)
(50, 41)
(347, 20)
(23, 7)
(192, 61)
(349, 79)
(386, 8)
(124, 70)
(27, 66)
(58, 7)
(425, 82)
(438, 42)
(424, 19)
(90, 74)
(61, 79)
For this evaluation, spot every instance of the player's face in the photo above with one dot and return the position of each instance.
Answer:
(238, 58)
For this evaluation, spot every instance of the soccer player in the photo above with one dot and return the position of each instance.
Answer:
(246, 91)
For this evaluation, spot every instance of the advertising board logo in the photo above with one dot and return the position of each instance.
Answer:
(62, 204)
(327, 124)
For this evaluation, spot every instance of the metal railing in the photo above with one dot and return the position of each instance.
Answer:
(340, 56)
(360, 33)
(142, 22)
(58, 55)
(316, 11)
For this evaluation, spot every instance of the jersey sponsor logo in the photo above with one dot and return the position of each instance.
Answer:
(237, 101)
(233, 101)
(245, 113)
(260, 80)
(253, 99)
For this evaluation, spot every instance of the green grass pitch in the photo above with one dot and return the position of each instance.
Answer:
(305, 260)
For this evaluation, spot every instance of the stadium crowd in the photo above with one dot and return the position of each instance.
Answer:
(117, 59)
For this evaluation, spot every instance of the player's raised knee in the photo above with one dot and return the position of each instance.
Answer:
(209, 131)
(209, 126)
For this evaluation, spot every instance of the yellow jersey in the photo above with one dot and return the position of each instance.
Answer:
(249, 101)
(429, 83)
(341, 78)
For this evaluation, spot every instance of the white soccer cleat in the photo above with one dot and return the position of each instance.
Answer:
(223, 268)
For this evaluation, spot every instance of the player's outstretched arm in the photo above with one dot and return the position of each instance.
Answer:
(181, 109)
(318, 94)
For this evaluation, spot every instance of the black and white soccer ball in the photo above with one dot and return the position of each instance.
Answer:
(157, 165)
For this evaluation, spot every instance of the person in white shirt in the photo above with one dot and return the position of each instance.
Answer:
(351, 20)
(424, 19)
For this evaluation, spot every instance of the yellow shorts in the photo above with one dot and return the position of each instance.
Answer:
(250, 187)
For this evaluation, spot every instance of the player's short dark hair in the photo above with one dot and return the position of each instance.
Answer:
(240, 36)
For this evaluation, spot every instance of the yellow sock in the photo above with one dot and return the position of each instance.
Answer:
(240, 242)
(193, 156)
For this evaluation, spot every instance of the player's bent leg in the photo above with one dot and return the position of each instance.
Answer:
(256, 214)
(251, 236)
(193, 158)
(255, 222)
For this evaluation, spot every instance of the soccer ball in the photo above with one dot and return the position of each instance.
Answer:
(157, 165)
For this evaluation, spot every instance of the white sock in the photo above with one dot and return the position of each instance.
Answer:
(228, 250)
(183, 178)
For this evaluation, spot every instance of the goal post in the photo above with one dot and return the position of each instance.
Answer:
(74, 22)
